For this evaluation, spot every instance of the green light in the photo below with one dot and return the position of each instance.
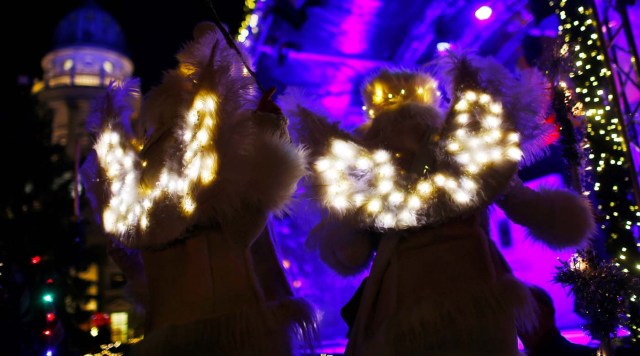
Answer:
(47, 298)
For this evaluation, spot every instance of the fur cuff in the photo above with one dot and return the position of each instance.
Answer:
(559, 218)
(343, 247)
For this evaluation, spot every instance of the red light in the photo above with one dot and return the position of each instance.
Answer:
(47, 332)
(100, 319)
(35, 260)
(50, 281)
(51, 317)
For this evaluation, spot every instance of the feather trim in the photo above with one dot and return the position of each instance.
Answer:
(116, 106)
(208, 50)
(525, 96)
(309, 122)
(258, 167)
(261, 330)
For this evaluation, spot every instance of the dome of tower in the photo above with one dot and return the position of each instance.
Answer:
(89, 25)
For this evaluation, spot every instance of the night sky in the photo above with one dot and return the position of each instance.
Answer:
(154, 31)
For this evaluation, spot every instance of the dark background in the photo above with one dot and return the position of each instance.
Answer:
(34, 216)
(154, 31)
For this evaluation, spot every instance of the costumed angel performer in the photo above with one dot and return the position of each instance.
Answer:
(186, 205)
(409, 191)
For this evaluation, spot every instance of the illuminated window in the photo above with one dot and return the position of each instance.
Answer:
(90, 305)
(68, 64)
(90, 274)
(119, 326)
(107, 66)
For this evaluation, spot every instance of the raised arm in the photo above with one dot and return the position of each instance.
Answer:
(558, 217)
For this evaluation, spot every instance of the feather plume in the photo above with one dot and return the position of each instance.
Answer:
(309, 122)
(117, 105)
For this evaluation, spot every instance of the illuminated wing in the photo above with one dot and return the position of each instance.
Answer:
(481, 156)
(524, 95)
(131, 200)
(481, 153)
(153, 191)
(354, 179)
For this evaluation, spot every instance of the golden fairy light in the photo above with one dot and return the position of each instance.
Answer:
(131, 201)
(385, 95)
(355, 179)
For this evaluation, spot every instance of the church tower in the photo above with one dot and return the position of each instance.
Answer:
(88, 53)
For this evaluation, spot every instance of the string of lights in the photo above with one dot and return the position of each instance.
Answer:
(613, 191)
(131, 200)
(250, 24)
(358, 180)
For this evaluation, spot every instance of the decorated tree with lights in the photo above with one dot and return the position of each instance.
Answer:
(612, 181)
(603, 294)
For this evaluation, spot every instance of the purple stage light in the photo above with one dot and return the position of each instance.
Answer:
(483, 13)
(443, 47)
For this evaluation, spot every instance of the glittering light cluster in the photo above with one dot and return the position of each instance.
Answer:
(613, 189)
(249, 26)
(601, 290)
(606, 133)
(489, 143)
(355, 179)
(131, 200)
(383, 97)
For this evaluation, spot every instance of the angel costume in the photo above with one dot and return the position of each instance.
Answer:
(187, 202)
(410, 191)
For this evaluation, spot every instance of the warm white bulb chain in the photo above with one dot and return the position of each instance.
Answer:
(356, 179)
(131, 201)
